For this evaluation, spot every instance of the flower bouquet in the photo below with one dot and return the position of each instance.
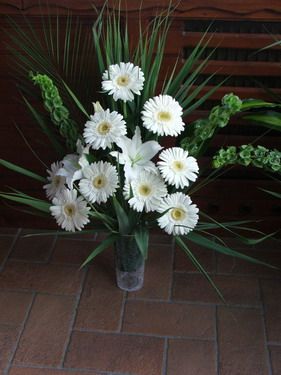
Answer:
(116, 174)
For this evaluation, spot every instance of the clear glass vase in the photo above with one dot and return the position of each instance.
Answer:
(129, 264)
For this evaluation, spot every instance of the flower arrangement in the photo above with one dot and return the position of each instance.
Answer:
(116, 175)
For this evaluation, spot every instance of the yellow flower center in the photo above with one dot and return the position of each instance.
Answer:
(104, 128)
(99, 182)
(178, 214)
(69, 209)
(57, 180)
(177, 165)
(123, 80)
(144, 190)
(164, 116)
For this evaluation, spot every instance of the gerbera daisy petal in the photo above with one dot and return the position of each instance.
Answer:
(147, 191)
(100, 182)
(70, 212)
(162, 115)
(56, 183)
(104, 128)
(123, 81)
(180, 216)
(177, 168)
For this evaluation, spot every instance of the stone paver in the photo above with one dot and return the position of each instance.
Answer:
(241, 342)
(58, 320)
(168, 319)
(191, 357)
(138, 355)
(46, 331)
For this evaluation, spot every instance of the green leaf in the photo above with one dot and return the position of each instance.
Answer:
(33, 202)
(21, 170)
(76, 100)
(122, 217)
(205, 242)
(268, 119)
(229, 224)
(104, 245)
(142, 238)
(45, 128)
(197, 264)
(273, 193)
(256, 103)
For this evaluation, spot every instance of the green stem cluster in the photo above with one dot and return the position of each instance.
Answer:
(59, 114)
(248, 155)
(201, 131)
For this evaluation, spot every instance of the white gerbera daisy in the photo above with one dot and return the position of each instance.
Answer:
(56, 182)
(180, 215)
(177, 168)
(104, 128)
(69, 211)
(100, 182)
(147, 190)
(163, 116)
(122, 81)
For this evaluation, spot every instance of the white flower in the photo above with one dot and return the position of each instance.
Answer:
(180, 215)
(147, 190)
(163, 116)
(69, 211)
(100, 182)
(56, 182)
(104, 128)
(73, 165)
(122, 81)
(177, 168)
(136, 155)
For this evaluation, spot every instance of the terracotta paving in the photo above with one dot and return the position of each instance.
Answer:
(56, 319)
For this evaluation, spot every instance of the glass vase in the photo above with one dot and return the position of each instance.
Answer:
(129, 264)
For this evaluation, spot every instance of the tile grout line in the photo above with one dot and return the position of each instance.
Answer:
(74, 315)
(274, 343)
(23, 325)
(217, 352)
(165, 357)
(229, 274)
(68, 369)
(144, 334)
(267, 352)
(16, 236)
(136, 299)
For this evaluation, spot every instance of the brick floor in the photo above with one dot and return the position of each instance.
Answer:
(58, 320)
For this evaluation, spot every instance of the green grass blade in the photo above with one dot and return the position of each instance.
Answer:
(202, 241)
(35, 203)
(273, 193)
(197, 264)
(270, 119)
(142, 238)
(21, 170)
(76, 100)
(122, 217)
(103, 246)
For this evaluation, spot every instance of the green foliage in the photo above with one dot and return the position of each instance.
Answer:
(201, 131)
(58, 112)
(248, 155)
(21, 170)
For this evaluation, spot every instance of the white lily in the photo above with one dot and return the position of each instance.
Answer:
(73, 164)
(136, 156)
